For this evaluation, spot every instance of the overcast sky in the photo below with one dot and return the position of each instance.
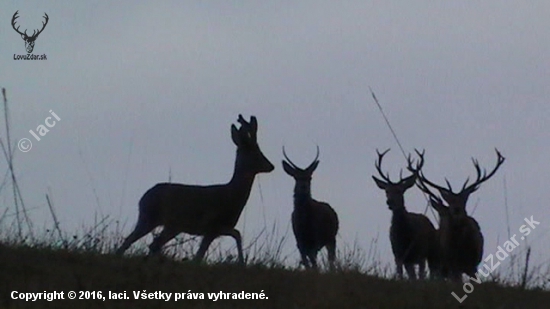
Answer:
(147, 89)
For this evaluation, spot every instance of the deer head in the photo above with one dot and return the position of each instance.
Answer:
(302, 176)
(394, 190)
(457, 200)
(29, 40)
(250, 158)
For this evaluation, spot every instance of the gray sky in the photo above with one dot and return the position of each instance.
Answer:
(144, 88)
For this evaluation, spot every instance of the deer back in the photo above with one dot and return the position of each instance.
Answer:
(198, 209)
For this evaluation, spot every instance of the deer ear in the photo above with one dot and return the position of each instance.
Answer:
(469, 191)
(310, 169)
(447, 196)
(288, 169)
(464, 199)
(235, 135)
(379, 183)
(254, 124)
(409, 182)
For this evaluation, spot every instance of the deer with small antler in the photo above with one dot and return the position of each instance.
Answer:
(29, 40)
(208, 211)
(459, 235)
(412, 235)
(314, 223)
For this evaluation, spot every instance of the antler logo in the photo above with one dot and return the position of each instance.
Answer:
(29, 40)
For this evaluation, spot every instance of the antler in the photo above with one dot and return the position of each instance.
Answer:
(288, 159)
(419, 165)
(250, 127)
(34, 33)
(435, 200)
(422, 186)
(417, 171)
(422, 179)
(13, 24)
(378, 165)
(386, 177)
(317, 155)
(482, 175)
(43, 25)
(294, 165)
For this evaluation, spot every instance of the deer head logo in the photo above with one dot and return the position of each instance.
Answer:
(29, 40)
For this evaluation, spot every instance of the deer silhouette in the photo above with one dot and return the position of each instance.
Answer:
(209, 211)
(459, 236)
(412, 235)
(314, 223)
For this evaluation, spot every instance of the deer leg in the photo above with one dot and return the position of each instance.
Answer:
(399, 269)
(238, 239)
(455, 275)
(422, 270)
(331, 249)
(472, 273)
(165, 236)
(303, 254)
(305, 261)
(436, 269)
(409, 267)
(305, 258)
(205, 243)
(142, 228)
(436, 265)
(445, 272)
(313, 259)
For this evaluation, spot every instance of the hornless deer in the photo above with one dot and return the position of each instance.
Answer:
(460, 237)
(412, 235)
(209, 211)
(315, 224)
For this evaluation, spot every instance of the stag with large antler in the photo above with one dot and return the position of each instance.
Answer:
(412, 235)
(29, 40)
(460, 237)
(209, 211)
(315, 224)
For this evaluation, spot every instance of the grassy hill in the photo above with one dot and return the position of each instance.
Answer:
(42, 268)
(30, 269)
